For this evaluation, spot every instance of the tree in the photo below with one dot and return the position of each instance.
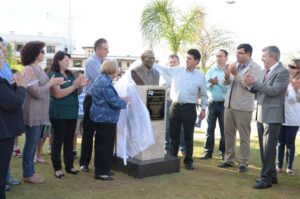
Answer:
(13, 62)
(211, 39)
(161, 20)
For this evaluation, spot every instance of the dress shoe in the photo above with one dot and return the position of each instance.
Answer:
(189, 165)
(7, 187)
(13, 182)
(243, 169)
(103, 177)
(225, 165)
(206, 156)
(59, 174)
(72, 171)
(262, 185)
(84, 168)
(274, 180)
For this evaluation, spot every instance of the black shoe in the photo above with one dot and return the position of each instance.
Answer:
(274, 180)
(103, 177)
(225, 165)
(262, 185)
(72, 171)
(189, 165)
(84, 168)
(243, 169)
(205, 156)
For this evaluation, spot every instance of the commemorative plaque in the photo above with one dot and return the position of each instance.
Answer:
(156, 104)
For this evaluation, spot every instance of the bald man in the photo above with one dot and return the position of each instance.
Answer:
(145, 74)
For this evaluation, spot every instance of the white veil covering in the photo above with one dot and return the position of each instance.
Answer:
(134, 129)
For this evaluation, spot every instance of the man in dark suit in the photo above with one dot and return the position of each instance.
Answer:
(270, 87)
(145, 74)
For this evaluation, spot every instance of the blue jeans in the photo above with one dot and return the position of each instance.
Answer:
(215, 111)
(167, 135)
(32, 137)
(286, 138)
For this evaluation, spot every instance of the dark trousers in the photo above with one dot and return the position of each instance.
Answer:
(268, 136)
(183, 114)
(287, 138)
(104, 147)
(63, 134)
(215, 112)
(167, 135)
(6, 149)
(88, 133)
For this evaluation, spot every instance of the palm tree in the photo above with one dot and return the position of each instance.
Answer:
(160, 20)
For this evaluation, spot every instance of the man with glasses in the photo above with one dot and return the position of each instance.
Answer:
(91, 71)
(239, 105)
(145, 74)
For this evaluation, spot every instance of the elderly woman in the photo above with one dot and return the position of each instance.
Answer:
(63, 113)
(11, 121)
(36, 105)
(105, 111)
(287, 135)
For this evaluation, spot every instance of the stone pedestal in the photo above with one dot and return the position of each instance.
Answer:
(153, 160)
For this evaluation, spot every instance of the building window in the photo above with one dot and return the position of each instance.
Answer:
(128, 64)
(49, 62)
(19, 47)
(77, 63)
(50, 49)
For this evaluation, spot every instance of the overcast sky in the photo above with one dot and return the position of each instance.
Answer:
(258, 22)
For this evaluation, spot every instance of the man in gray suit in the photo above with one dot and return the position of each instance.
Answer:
(270, 87)
(145, 74)
(239, 105)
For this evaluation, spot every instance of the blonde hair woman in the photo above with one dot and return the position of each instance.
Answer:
(105, 111)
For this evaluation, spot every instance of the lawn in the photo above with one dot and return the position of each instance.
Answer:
(206, 181)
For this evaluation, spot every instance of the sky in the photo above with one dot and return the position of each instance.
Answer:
(258, 22)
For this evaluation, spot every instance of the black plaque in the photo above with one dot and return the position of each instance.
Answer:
(156, 103)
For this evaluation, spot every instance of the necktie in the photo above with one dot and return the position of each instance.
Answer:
(266, 74)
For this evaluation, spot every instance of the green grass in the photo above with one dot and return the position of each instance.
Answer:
(206, 181)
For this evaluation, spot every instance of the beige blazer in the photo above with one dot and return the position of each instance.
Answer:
(271, 95)
(238, 97)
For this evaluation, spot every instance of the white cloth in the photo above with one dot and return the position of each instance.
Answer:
(134, 129)
(291, 108)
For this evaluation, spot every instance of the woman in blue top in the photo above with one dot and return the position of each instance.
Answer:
(63, 113)
(105, 111)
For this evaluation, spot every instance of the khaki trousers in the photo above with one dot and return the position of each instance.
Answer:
(241, 121)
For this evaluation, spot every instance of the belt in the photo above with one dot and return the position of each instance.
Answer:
(216, 102)
(184, 104)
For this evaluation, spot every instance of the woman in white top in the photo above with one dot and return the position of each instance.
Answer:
(290, 128)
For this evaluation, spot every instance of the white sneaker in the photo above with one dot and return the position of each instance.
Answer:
(290, 172)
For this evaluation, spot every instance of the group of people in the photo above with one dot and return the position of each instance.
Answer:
(232, 90)
(33, 98)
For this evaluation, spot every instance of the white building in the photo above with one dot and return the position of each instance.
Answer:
(56, 43)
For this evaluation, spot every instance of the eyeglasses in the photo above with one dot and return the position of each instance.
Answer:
(293, 67)
(42, 51)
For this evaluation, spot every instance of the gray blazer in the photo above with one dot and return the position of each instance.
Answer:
(271, 95)
(143, 76)
(237, 94)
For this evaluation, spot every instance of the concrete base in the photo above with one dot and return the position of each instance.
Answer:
(141, 169)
